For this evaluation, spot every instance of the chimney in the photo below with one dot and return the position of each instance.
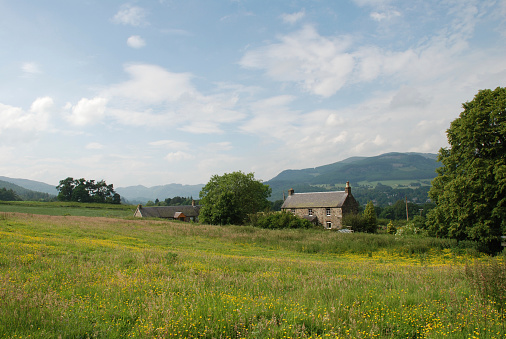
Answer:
(139, 206)
(347, 190)
(290, 192)
(193, 203)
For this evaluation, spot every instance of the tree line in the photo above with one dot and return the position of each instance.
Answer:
(175, 201)
(81, 190)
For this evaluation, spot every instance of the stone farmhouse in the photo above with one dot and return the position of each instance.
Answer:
(185, 213)
(322, 208)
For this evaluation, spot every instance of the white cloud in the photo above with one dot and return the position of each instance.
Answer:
(178, 156)
(151, 84)
(294, 17)
(30, 68)
(321, 65)
(172, 144)
(155, 97)
(87, 111)
(94, 145)
(136, 41)
(386, 15)
(16, 119)
(130, 15)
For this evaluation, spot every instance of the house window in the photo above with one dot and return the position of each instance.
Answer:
(293, 211)
(329, 225)
(328, 212)
(310, 211)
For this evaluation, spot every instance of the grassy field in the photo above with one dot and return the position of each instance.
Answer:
(68, 208)
(94, 277)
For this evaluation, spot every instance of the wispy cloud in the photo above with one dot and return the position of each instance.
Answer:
(30, 68)
(155, 97)
(94, 145)
(130, 15)
(294, 17)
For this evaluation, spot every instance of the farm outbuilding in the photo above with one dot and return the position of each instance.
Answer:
(185, 213)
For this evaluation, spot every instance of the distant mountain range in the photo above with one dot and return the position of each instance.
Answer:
(412, 167)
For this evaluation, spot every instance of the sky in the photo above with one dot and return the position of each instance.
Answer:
(155, 92)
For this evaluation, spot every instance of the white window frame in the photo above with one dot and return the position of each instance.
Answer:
(329, 225)
(310, 212)
(328, 212)
(293, 211)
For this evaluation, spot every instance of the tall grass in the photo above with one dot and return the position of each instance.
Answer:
(78, 277)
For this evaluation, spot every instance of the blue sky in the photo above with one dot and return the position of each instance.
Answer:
(165, 91)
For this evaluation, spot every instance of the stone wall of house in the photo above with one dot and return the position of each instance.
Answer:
(336, 215)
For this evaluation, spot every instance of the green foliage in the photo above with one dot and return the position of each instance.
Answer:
(470, 189)
(177, 201)
(391, 229)
(231, 197)
(8, 195)
(81, 190)
(410, 230)
(370, 218)
(489, 279)
(278, 220)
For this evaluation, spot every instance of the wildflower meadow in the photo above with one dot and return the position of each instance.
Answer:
(97, 277)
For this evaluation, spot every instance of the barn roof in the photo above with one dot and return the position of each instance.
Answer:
(169, 211)
(315, 199)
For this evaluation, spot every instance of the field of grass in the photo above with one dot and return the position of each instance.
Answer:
(68, 208)
(95, 277)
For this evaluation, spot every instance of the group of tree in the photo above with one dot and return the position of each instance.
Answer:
(8, 195)
(81, 190)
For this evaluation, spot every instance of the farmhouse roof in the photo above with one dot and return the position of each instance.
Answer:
(315, 199)
(169, 211)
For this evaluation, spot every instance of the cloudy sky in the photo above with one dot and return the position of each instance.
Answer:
(164, 91)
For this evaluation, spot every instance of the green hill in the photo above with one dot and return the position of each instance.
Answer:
(393, 169)
(24, 193)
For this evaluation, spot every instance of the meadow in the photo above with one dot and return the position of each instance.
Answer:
(64, 276)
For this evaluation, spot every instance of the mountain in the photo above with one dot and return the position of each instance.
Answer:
(415, 167)
(32, 185)
(142, 194)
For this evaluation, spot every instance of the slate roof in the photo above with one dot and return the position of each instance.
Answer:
(315, 200)
(169, 211)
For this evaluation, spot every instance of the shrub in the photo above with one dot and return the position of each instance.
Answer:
(278, 220)
(410, 230)
(391, 229)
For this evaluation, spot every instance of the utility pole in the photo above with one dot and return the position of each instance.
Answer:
(407, 216)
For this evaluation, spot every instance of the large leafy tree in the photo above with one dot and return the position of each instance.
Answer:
(470, 189)
(82, 190)
(229, 198)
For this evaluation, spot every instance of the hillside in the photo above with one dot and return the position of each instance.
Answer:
(418, 168)
(24, 193)
(31, 185)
